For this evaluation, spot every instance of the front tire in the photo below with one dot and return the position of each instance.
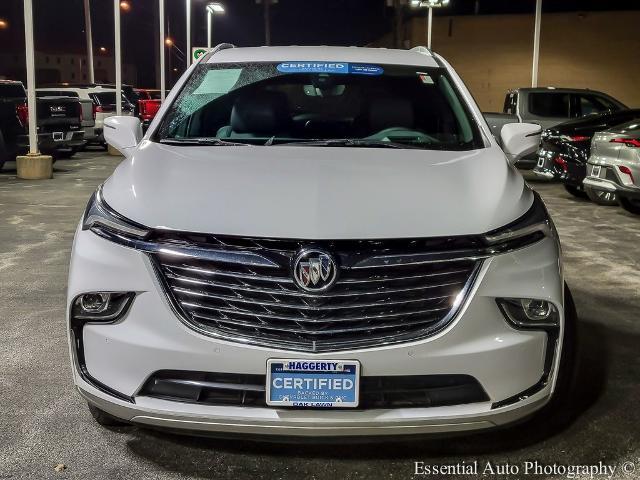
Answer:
(105, 419)
(601, 197)
(631, 205)
(4, 155)
(575, 191)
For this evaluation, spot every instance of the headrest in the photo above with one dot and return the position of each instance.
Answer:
(263, 113)
(390, 112)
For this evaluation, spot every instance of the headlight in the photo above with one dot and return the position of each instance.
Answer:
(99, 215)
(529, 313)
(530, 228)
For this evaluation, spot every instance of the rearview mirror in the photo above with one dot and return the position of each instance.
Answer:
(123, 133)
(520, 139)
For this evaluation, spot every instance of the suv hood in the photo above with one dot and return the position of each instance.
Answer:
(318, 192)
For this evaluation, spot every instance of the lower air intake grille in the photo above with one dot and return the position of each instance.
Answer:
(406, 391)
(387, 291)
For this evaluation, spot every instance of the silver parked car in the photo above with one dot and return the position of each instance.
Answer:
(614, 164)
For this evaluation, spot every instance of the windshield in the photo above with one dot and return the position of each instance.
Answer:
(319, 103)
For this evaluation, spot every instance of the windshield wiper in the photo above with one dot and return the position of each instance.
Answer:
(350, 142)
(209, 142)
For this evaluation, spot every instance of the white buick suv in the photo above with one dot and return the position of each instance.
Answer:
(318, 241)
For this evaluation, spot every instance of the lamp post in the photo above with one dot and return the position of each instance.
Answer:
(32, 166)
(267, 19)
(31, 77)
(163, 87)
(87, 30)
(536, 44)
(188, 7)
(430, 4)
(212, 9)
(118, 55)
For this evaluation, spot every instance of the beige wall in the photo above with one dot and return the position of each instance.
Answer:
(492, 54)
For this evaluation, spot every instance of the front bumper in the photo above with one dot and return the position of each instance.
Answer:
(479, 342)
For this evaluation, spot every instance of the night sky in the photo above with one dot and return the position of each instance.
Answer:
(59, 24)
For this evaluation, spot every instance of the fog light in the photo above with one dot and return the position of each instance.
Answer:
(94, 302)
(101, 306)
(529, 312)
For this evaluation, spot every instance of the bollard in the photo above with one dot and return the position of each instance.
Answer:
(114, 151)
(34, 166)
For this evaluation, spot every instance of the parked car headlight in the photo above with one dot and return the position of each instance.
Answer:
(99, 215)
(531, 227)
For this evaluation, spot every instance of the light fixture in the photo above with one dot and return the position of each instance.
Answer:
(215, 7)
(3, 24)
(125, 6)
(429, 3)
(103, 49)
(168, 42)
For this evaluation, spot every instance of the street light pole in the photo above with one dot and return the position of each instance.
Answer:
(87, 29)
(267, 23)
(31, 77)
(536, 44)
(32, 166)
(188, 59)
(163, 89)
(429, 25)
(116, 23)
(212, 8)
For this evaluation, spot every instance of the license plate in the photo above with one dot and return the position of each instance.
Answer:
(58, 136)
(541, 159)
(313, 383)
(595, 171)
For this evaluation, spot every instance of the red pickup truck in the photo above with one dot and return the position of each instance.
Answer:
(149, 104)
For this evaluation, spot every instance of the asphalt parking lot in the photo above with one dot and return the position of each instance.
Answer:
(44, 422)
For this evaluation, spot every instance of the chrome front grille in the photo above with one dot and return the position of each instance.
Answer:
(386, 291)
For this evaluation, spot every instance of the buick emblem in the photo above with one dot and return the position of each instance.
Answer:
(314, 270)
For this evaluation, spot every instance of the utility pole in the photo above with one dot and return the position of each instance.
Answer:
(87, 30)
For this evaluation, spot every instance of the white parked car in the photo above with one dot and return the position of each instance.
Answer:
(318, 241)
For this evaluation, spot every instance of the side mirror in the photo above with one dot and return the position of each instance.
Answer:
(123, 133)
(520, 139)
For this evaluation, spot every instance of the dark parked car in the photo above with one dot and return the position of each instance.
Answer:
(60, 131)
(565, 148)
(548, 107)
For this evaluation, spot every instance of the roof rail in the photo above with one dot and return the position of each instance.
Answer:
(218, 48)
(423, 50)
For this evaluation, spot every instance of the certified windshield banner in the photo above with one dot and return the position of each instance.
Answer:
(330, 67)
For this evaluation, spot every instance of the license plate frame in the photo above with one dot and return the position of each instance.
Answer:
(595, 171)
(58, 136)
(318, 395)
